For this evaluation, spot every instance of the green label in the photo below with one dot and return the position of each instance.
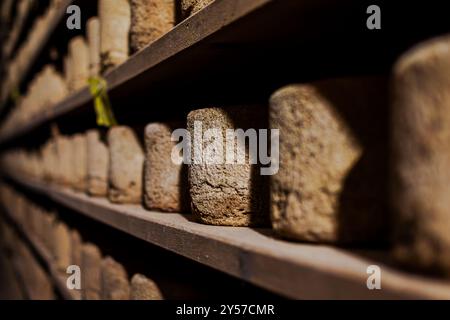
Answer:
(105, 116)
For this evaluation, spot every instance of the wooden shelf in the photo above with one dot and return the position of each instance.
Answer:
(231, 52)
(58, 279)
(34, 55)
(294, 270)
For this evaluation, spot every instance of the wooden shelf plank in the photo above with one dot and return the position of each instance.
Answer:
(34, 55)
(58, 279)
(294, 270)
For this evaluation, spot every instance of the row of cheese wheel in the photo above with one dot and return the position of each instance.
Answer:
(359, 160)
(99, 277)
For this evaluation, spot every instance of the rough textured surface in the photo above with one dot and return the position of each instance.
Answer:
(93, 37)
(76, 247)
(115, 20)
(126, 166)
(42, 287)
(36, 220)
(421, 156)
(115, 284)
(31, 209)
(225, 194)
(333, 160)
(79, 57)
(142, 288)
(49, 226)
(50, 161)
(20, 207)
(79, 145)
(67, 66)
(150, 19)
(98, 164)
(165, 186)
(190, 7)
(37, 282)
(62, 246)
(56, 88)
(91, 272)
(65, 173)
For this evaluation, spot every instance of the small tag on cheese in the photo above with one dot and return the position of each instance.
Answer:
(99, 91)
